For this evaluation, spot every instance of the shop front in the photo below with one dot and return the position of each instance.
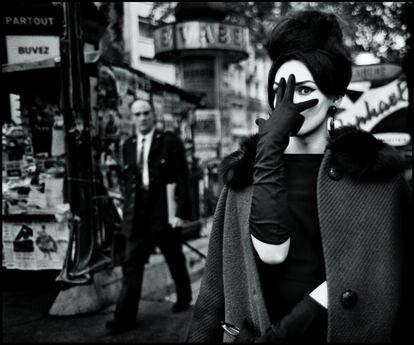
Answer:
(34, 197)
(35, 209)
(45, 204)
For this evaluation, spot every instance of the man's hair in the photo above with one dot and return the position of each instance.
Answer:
(137, 101)
(314, 38)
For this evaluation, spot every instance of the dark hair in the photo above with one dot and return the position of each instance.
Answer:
(314, 38)
(117, 170)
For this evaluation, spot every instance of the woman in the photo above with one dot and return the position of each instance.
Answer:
(308, 234)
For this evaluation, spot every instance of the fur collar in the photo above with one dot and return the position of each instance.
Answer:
(358, 152)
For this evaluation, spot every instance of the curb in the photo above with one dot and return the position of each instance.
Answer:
(157, 283)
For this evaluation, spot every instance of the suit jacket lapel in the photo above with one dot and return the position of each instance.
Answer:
(131, 151)
(156, 142)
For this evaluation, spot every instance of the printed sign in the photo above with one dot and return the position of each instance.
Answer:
(207, 122)
(207, 132)
(376, 104)
(21, 20)
(198, 74)
(375, 72)
(31, 48)
(201, 35)
(366, 105)
(31, 33)
(14, 168)
(195, 35)
(394, 138)
(164, 38)
(34, 246)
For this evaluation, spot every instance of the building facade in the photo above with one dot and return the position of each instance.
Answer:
(240, 89)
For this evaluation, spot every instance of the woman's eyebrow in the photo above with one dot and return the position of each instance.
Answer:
(299, 82)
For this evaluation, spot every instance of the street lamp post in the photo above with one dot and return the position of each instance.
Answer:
(80, 171)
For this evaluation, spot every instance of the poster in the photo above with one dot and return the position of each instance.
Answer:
(34, 246)
(207, 133)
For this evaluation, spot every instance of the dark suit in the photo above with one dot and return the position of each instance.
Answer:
(146, 218)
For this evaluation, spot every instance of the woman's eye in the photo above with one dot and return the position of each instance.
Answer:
(304, 90)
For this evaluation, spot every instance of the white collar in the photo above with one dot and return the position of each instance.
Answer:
(148, 136)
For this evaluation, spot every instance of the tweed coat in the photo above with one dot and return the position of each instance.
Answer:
(166, 164)
(363, 208)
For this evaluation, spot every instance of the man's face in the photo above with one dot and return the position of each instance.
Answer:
(142, 116)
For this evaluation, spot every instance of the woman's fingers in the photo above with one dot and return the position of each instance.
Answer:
(306, 105)
(297, 125)
(290, 88)
(280, 90)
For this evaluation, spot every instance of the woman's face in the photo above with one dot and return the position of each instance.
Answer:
(305, 90)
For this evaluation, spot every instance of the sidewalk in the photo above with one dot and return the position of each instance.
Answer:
(156, 323)
(157, 280)
(26, 305)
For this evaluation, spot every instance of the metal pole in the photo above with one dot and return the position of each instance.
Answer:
(80, 172)
(195, 250)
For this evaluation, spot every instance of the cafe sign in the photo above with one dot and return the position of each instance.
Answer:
(199, 35)
(31, 34)
(374, 105)
(31, 48)
(20, 20)
(376, 93)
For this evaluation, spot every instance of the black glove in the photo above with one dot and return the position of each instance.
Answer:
(268, 215)
(246, 334)
(285, 119)
(307, 313)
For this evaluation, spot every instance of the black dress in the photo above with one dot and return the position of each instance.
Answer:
(287, 283)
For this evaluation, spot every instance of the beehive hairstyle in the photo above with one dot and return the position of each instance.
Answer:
(314, 38)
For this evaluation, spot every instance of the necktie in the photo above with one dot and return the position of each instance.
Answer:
(141, 154)
(141, 158)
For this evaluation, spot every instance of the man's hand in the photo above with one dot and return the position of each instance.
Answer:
(177, 222)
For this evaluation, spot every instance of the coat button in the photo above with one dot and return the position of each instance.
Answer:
(349, 298)
(335, 173)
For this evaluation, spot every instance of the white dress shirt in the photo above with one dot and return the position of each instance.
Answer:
(147, 146)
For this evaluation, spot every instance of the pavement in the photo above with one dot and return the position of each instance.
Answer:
(29, 296)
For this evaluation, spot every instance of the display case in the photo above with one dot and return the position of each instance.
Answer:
(34, 209)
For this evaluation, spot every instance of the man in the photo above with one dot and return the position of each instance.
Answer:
(152, 159)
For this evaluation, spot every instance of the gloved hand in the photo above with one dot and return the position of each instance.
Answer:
(296, 325)
(246, 334)
(268, 214)
(285, 119)
(304, 315)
